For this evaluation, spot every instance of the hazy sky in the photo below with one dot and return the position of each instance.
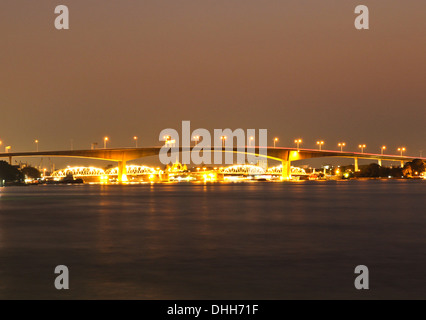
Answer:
(297, 68)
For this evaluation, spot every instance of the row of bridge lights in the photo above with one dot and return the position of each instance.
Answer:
(298, 142)
(6, 148)
(135, 139)
(36, 142)
(341, 145)
(168, 139)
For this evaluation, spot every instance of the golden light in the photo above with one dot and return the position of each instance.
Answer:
(384, 148)
(106, 139)
(275, 142)
(402, 150)
(104, 179)
(135, 138)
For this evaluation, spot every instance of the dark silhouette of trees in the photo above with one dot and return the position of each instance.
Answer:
(374, 170)
(31, 172)
(9, 173)
(414, 168)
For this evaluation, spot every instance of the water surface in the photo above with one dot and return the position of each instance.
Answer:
(214, 241)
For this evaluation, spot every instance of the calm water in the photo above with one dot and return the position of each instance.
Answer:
(215, 241)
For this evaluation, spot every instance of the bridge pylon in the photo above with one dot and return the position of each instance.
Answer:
(122, 171)
(356, 165)
(286, 171)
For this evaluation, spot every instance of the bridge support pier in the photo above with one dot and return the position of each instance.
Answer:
(380, 162)
(402, 164)
(10, 160)
(286, 172)
(122, 171)
(356, 165)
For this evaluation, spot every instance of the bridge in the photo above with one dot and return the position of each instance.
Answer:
(285, 155)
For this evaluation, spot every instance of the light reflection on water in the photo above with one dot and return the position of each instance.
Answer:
(214, 241)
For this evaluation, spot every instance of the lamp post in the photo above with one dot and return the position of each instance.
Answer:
(341, 145)
(36, 142)
(362, 147)
(251, 139)
(136, 141)
(196, 139)
(223, 138)
(298, 142)
(7, 149)
(382, 150)
(166, 139)
(402, 150)
(320, 144)
(106, 139)
(275, 141)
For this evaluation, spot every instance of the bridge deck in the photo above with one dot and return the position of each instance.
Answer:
(126, 154)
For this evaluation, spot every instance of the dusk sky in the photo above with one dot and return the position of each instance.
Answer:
(297, 68)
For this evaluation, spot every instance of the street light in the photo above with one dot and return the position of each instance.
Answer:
(298, 142)
(136, 141)
(36, 142)
(196, 139)
(383, 149)
(362, 147)
(275, 141)
(251, 139)
(172, 143)
(320, 144)
(106, 139)
(341, 145)
(223, 138)
(166, 139)
(402, 150)
(7, 149)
